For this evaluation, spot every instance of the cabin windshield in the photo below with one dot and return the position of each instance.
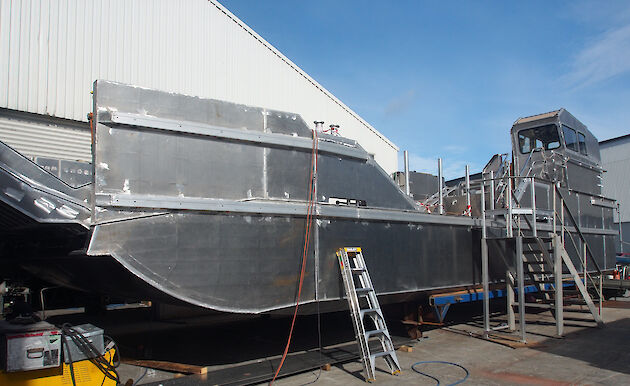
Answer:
(543, 137)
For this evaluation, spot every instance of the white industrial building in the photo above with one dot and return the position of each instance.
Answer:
(615, 153)
(52, 51)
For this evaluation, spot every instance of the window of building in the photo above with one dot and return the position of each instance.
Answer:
(582, 143)
(543, 137)
(570, 138)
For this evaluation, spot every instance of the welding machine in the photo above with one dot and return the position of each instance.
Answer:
(41, 354)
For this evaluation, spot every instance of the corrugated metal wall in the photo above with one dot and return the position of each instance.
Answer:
(35, 137)
(52, 51)
(616, 161)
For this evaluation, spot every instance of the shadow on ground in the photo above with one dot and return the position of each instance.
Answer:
(605, 348)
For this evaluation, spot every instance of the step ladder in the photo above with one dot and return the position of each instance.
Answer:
(363, 302)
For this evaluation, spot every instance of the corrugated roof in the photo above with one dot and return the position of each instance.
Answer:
(537, 117)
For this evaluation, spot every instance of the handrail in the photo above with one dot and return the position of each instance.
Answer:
(577, 230)
(576, 248)
(529, 157)
(584, 253)
(587, 248)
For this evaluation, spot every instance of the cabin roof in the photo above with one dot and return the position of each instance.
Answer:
(537, 117)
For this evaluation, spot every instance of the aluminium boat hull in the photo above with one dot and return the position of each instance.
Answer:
(204, 203)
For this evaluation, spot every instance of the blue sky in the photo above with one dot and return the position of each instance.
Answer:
(448, 79)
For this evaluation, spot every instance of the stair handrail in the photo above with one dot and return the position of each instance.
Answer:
(587, 249)
(577, 229)
(527, 162)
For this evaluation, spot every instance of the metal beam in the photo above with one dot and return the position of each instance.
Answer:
(280, 208)
(257, 137)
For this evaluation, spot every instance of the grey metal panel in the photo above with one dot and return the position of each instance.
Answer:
(583, 178)
(225, 262)
(596, 245)
(347, 178)
(280, 122)
(251, 263)
(401, 257)
(156, 162)
(287, 173)
(590, 215)
(611, 245)
(421, 185)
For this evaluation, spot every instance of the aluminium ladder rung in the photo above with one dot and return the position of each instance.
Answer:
(369, 334)
(369, 311)
(382, 354)
(357, 271)
(528, 262)
(545, 281)
(364, 291)
(536, 251)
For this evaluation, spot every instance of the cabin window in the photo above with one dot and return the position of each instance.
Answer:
(570, 138)
(543, 137)
(582, 143)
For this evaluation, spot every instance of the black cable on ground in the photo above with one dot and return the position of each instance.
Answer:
(91, 352)
(413, 367)
(146, 370)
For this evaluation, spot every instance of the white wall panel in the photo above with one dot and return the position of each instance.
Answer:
(52, 51)
(615, 156)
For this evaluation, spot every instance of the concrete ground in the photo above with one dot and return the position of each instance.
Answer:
(586, 355)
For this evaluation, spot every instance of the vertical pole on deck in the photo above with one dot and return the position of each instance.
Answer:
(484, 264)
(468, 208)
(406, 157)
(492, 190)
(509, 219)
(520, 285)
(557, 274)
(316, 232)
(562, 219)
(509, 281)
(534, 231)
(554, 207)
(441, 188)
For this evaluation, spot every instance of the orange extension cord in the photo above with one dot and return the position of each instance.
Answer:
(310, 208)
